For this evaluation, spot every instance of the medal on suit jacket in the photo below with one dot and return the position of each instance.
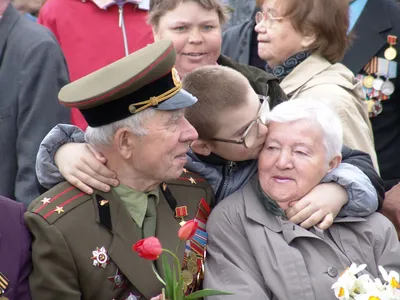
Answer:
(391, 53)
(3, 286)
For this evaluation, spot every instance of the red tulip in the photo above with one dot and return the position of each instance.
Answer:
(149, 248)
(187, 231)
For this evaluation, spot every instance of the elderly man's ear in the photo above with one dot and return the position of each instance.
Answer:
(124, 142)
(201, 147)
(335, 162)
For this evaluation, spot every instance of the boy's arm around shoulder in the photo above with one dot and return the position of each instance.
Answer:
(46, 169)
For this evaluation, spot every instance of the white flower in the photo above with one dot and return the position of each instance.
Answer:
(392, 278)
(364, 284)
(341, 289)
(353, 270)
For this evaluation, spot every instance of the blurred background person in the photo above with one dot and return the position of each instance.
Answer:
(302, 45)
(95, 33)
(32, 71)
(366, 58)
(29, 8)
(15, 251)
(375, 25)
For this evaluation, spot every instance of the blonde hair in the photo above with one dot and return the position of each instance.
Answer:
(216, 88)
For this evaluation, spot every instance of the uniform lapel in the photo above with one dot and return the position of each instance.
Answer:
(370, 35)
(125, 234)
(7, 22)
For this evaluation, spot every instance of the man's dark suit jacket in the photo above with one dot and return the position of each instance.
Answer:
(32, 72)
(379, 19)
(15, 254)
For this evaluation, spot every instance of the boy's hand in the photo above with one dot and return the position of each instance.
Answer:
(83, 167)
(320, 206)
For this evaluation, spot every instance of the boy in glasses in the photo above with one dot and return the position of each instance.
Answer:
(229, 118)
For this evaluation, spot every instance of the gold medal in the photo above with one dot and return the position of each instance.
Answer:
(390, 53)
(370, 105)
(368, 81)
(187, 277)
(3, 298)
(193, 256)
(192, 267)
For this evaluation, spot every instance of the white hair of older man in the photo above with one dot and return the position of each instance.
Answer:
(313, 110)
(104, 135)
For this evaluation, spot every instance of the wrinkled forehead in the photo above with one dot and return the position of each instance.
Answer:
(305, 131)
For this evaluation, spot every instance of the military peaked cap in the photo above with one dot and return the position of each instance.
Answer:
(144, 79)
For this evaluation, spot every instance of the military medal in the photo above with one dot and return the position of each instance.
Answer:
(377, 84)
(118, 280)
(180, 213)
(3, 286)
(368, 81)
(374, 107)
(387, 87)
(391, 53)
(100, 257)
(187, 277)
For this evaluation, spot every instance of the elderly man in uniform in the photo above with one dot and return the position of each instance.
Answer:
(82, 244)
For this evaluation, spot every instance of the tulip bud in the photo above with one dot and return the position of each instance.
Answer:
(149, 248)
(187, 231)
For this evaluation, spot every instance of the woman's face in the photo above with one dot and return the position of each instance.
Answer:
(195, 33)
(293, 161)
(277, 38)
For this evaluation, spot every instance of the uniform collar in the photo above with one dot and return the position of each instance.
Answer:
(135, 201)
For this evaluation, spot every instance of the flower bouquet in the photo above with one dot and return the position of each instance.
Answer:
(363, 287)
(175, 282)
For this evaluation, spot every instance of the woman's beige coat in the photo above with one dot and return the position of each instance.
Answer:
(259, 256)
(335, 85)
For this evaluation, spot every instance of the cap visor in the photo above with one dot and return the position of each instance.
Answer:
(181, 100)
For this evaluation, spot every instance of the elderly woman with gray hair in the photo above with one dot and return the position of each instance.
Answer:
(255, 252)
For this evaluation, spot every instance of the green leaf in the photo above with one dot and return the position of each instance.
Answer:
(158, 275)
(174, 283)
(205, 293)
(179, 291)
(169, 287)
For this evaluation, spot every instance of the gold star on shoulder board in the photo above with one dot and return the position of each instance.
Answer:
(59, 209)
(192, 180)
(45, 200)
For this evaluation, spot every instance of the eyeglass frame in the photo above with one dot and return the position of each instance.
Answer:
(265, 17)
(258, 120)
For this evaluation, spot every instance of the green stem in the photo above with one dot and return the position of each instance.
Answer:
(177, 247)
(176, 260)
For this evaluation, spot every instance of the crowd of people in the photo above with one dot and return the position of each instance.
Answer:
(273, 124)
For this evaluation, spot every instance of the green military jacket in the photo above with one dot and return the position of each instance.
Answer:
(82, 244)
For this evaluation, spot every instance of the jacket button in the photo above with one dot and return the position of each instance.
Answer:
(332, 272)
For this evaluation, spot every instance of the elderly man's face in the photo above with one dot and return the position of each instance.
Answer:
(161, 154)
(293, 161)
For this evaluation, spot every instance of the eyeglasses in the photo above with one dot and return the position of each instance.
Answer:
(251, 133)
(269, 19)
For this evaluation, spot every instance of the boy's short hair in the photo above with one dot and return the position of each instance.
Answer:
(158, 8)
(216, 88)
